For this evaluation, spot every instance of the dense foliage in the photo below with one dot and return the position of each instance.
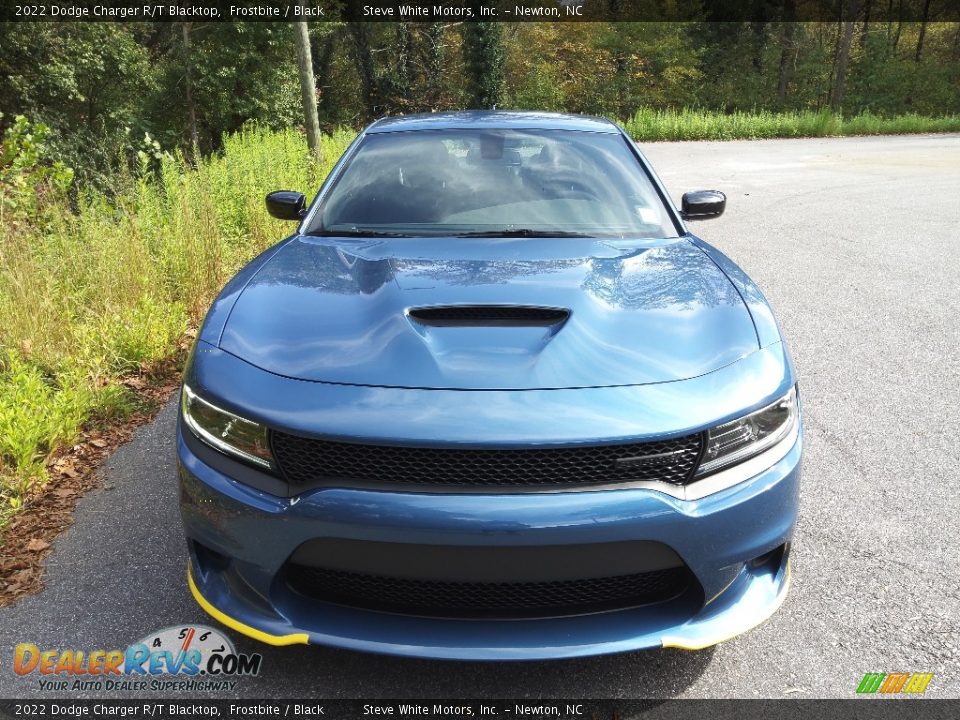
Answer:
(101, 87)
(93, 292)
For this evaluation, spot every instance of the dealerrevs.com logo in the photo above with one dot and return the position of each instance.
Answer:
(203, 658)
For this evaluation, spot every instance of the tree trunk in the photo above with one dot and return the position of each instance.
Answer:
(833, 62)
(889, 21)
(308, 88)
(896, 38)
(923, 29)
(191, 110)
(786, 48)
(821, 93)
(401, 81)
(483, 57)
(321, 69)
(363, 55)
(866, 24)
(758, 42)
(434, 32)
(843, 58)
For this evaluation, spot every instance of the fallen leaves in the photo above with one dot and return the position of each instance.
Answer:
(67, 465)
(134, 382)
(26, 541)
(21, 581)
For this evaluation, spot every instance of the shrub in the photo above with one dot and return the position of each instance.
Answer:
(90, 294)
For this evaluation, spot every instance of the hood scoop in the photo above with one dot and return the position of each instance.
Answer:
(488, 316)
(477, 314)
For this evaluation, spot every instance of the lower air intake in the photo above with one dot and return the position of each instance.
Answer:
(434, 598)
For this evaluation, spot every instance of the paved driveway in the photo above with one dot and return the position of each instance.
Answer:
(856, 243)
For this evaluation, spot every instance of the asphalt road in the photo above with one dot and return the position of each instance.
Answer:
(856, 243)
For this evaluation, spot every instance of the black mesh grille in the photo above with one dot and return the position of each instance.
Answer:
(488, 315)
(312, 461)
(487, 599)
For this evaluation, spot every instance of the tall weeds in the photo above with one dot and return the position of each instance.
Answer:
(89, 295)
(689, 124)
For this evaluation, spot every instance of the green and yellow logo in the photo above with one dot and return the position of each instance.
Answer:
(889, 683)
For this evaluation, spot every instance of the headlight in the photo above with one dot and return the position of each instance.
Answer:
(736, 441)
(225, 431)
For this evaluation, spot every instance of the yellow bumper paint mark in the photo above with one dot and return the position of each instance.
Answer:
(292, 639)
(684, 644)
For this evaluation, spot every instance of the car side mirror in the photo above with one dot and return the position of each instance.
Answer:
(286, 204)
(703, 204)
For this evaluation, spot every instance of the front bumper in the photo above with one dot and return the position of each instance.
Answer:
(240, 538)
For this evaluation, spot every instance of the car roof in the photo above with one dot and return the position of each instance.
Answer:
(503, 119)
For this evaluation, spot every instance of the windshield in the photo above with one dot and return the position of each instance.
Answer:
(494, 182)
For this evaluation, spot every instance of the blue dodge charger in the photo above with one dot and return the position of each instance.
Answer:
(491, 400)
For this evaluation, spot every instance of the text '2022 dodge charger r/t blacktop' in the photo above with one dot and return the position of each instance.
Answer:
(492, 400)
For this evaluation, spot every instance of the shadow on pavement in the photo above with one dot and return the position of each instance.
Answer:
(348, 674)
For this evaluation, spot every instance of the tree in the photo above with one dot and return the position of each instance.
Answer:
(240, 72)
(483, 59)
(923, 29)
(188, 74)
(787, 49)
(308, 88)
(86, 81)
(844, 40)
(369, 80)
(433, 63)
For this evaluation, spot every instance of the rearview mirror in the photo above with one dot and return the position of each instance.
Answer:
(703, 204)
(286, 204)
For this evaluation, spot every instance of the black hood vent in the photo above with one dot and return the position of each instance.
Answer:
(489, 315)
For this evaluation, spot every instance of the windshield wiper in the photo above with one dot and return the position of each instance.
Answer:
(505, 233)
(356, 233)
(522, 232)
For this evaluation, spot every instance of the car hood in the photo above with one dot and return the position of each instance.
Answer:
(630, 312)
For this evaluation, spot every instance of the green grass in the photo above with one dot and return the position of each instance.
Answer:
(647, 124)
(91, 294)
(98, 293)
